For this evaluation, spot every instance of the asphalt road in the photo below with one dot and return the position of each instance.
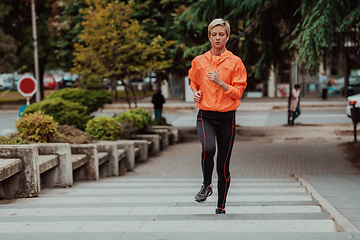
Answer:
(267, 118)
(7, 121)
(188, 118)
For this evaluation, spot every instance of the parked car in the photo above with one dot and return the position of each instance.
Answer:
(354, 85)
(50, 83)
(350, 101)
(68, 80)
(9, 83)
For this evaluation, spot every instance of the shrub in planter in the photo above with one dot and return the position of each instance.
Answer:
(126, 130)
(92, 99)
(159, 121)
(37, 127)
(144, 114)
(63, 111)
(12, 140)
(103, 128)
(134, 119)
(95, 99)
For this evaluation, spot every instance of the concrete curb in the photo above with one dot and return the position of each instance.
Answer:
(343, 224)
(25, 169)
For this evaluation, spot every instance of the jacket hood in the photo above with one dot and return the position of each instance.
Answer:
(226, 54)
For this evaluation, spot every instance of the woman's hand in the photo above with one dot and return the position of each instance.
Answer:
(197, 95)
(214, 77)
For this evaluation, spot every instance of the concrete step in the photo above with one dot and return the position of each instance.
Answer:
(165, 207)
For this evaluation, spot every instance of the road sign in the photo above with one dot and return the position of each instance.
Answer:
(27, 86)
(22, 109)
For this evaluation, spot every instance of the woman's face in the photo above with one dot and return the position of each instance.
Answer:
(218, 37)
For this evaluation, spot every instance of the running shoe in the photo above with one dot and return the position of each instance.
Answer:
(220, 211)
(203, 194)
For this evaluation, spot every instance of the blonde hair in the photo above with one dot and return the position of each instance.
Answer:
(219, 22)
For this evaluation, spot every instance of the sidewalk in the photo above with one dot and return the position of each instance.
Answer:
(263, 104)
(155, 201)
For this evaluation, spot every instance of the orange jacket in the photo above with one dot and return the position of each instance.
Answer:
(230, 69)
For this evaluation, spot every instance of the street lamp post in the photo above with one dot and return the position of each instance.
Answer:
(36, 60)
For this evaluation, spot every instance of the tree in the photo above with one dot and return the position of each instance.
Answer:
(113, 46)
(17, 22)
(158, 19)
(7, 52)
(261, 31)
(65, 25)
(325, 28)
(155, 19)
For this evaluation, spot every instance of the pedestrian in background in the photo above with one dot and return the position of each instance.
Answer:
(218, 79)
(158, 100)
(324, 85)
(295, 103)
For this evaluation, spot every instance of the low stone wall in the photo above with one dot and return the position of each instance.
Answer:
(25, 169)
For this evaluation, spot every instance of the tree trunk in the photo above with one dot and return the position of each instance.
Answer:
(133, 92)
(114, 89)
(127, 93)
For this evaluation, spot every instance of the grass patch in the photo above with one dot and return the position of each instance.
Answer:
(10, 96)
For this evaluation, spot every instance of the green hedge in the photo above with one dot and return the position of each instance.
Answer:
(138, 118)
(134, 119)
(145, 115)
(92, 99)
(63, 111)
(159, 121)
(103, 128)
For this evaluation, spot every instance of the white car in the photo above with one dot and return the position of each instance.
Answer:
(350, 101)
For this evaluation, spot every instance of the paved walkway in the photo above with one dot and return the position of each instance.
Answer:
(155, 201)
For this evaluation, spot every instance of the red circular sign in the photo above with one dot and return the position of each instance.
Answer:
(27, 86)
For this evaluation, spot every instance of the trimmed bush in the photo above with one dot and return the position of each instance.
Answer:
(63, 111)
(126, 130)
(92, 99)
(134, 119)
(159, 121)
(144, 114)
(103, 128)
(12, 140)
(37, 127)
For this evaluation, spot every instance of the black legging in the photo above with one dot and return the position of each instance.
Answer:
(221, 125)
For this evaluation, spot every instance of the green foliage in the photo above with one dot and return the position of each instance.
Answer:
(160, 20)
(159, 121)
(7, 52)
(16, 21)
(260, 32)
(326, 27)
(115, 46)
(12, 140)
(126, 130)
(103, 128)
(92, 99)
(138, 118)
(37, 127)
(5, 9)
(65, 26)
(63, 111)
(134, 119)
(144, 114)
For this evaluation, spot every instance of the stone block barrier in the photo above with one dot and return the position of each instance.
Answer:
(25, 169)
